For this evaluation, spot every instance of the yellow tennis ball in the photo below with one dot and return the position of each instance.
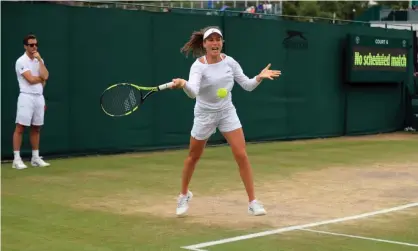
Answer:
(222, 92)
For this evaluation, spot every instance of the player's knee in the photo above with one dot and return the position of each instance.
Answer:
(19, 129)
(194, 155)
(241, 154)
(35, 129)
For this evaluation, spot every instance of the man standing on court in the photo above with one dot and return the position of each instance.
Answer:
(31, 75)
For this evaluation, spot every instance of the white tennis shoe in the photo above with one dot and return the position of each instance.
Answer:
(183, 203)
(256, 208)
(18, 164)
(38, 162)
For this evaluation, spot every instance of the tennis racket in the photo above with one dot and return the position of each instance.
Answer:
(122, 99)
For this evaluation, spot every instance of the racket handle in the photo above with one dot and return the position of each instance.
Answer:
(165, 86)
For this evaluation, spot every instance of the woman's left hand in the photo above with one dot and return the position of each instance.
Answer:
(267, 73)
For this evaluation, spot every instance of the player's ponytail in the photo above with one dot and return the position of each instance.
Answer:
(194, 45)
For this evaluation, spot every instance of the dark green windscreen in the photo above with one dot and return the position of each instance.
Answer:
(88, 49)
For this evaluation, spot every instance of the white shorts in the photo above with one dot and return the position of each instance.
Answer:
(30, 109)
(205, 124)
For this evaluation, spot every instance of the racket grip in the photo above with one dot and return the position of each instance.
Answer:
(165, 86)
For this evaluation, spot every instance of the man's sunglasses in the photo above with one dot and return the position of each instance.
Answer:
(32, 45)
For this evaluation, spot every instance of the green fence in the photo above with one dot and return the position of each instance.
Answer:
(87, 49)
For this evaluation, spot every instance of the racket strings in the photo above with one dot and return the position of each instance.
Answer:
(121, 100)
(130, 101)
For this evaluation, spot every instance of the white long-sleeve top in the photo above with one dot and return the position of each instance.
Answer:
(205, 80)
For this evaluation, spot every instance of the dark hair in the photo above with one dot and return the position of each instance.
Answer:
(27, 37)
(195, 43)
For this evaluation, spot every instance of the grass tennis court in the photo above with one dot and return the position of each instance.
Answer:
(127, 202)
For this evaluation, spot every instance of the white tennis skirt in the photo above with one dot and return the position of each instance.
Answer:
(206, 123)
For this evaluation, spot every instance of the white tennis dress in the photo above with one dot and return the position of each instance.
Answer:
(210, 111)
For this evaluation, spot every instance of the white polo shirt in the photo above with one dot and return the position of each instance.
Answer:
(25, 63)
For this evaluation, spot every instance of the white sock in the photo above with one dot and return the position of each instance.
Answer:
(35, 153)
(17, 155)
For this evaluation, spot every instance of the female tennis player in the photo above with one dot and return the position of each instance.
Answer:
(211, 71)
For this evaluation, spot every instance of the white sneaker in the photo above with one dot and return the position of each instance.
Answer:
(183, 203)
(38, 162)
(18, 164)
(256, 208)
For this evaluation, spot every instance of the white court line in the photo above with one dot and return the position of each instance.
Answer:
(361, 237)
(197, 247)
